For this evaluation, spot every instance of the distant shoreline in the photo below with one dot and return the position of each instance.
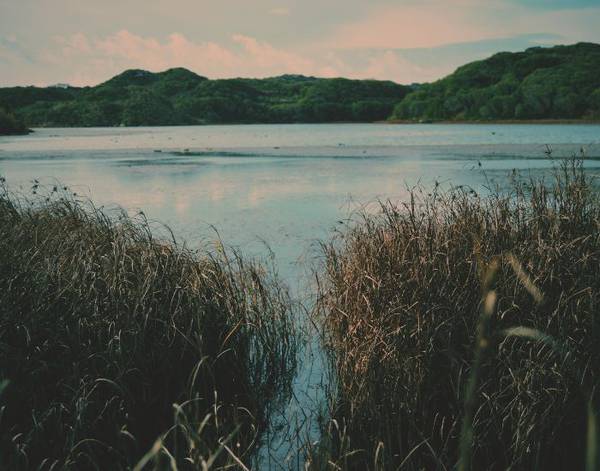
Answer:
(392, 121)
(499, 121)
(395, 122)
(17, 133)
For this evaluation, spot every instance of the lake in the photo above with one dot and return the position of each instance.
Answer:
(277, 189)
(283, 185)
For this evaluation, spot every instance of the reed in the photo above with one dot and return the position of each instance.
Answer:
(119, 350)
(464, 330)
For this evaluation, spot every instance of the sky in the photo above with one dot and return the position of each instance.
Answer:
(85, 42)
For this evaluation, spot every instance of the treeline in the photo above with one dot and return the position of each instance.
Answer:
(9, 124)
(561, 82)
(178, 96)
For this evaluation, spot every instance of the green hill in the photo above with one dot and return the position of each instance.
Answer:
(178, 96)
(561, 82)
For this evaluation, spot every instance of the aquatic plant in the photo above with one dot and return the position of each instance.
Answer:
(464, 328)
(120, 350)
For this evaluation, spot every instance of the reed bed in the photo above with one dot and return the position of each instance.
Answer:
(465, 330)
(121, 351)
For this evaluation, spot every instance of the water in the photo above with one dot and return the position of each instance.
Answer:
(286, 185)
(280, 188)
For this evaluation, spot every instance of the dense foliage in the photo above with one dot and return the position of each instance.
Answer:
(113, 343)
(9, 124)
(464, 329)
(178, 96)
(561, 82)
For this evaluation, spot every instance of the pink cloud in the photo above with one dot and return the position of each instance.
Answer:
(281, 11)
(429, 23)
(177, 50)
(269, 58)
(244, 56)
(100, 58)
(433, 23)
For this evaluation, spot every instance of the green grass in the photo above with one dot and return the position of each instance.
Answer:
(465, 330)
(118, 349)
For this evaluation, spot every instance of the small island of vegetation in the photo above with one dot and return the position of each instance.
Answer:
(9, 124)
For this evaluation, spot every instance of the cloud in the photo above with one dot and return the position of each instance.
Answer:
(401, 40)
(560, 4)
(270, 59)
(150, 53)
(436, 23)
(281, 11)
(81, 60)
(11, 50)
(412, 25)
(97, 59)
(41, 40)
(432, 63)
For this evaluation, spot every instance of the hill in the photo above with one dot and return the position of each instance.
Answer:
(561, 82)
(178, 96)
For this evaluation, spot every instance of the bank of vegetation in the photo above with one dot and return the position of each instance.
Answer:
(10, 125)
(122, 351)
(464, 330)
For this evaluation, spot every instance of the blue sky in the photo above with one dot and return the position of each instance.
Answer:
(84, 42)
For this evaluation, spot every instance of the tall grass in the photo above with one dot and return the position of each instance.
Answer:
(119, 350)
(465, 330)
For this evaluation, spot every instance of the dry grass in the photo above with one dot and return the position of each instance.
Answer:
(464, 333)
(115, 346)
(465, 330)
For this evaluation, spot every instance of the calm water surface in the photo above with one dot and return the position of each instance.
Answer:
(279, 186)
(285, 185)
